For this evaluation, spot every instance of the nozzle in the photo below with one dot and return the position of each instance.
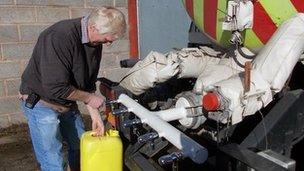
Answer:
(120, 111)
(147, 137)
(170, 158)
(129, 123)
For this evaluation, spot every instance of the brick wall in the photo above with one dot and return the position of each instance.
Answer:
(21, 21)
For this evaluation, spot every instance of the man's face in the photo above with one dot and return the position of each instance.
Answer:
(97, 39)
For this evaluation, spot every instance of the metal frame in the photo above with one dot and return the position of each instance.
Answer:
(282, 127)
(235, 157)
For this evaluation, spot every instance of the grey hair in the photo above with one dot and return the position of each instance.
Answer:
(108, 20)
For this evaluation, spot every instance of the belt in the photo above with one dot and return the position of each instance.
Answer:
(57, 107)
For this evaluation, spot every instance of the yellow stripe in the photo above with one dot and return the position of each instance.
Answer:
(198, 9)
(279, 10)
(251, 40)
(222, 36)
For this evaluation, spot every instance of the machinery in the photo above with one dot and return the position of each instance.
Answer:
(229, 106)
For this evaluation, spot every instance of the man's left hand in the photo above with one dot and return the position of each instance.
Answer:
(97, 123)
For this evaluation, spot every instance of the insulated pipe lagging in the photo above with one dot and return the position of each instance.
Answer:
(277, 59)
(188, 146)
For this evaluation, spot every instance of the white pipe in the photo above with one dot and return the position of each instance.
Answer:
(189, 147)
(277, 59)
(172, 114)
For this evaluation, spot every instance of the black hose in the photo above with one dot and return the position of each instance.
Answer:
(239, 49)
(231, 53)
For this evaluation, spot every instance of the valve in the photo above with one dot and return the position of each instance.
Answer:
(120, 111)
(129, 123)
(170, 158)
(111, 102)
(147, 137)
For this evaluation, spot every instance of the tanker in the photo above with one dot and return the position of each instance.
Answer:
(234, 104)
(209, 16)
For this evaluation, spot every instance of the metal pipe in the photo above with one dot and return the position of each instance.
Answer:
(189, 147)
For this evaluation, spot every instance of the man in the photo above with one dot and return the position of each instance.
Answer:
(62, 70)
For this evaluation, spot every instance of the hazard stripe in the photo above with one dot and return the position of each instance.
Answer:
(189, 7)
(251, 40)
(278, 10)
(298, 4)
(210, 17)
(198, 6)
(263, 26)
(222, 36)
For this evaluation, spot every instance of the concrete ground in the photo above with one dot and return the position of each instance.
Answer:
(16, 151)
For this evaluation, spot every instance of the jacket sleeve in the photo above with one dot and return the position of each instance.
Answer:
(56, 65)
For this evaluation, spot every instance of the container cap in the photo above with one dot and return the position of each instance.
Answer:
(211, 101)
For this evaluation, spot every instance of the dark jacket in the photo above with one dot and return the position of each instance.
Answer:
(60, 63)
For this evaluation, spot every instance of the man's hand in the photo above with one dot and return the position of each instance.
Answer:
(96, 101)
(97, 123)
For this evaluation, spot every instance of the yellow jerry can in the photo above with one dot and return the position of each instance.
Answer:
(101, 153)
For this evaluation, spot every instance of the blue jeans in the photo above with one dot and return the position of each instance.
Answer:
(48, 128)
